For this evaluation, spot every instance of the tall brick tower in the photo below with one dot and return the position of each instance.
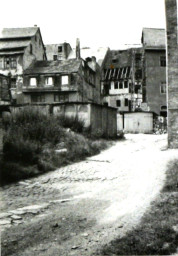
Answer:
(172, 71)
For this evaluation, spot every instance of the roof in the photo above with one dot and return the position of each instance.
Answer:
(86, 52)
(7, 45)
(154, 38)
(45, 67)
(6, 33)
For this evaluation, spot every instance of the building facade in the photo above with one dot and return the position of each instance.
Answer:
(154, 70)
(58, 51)
(122, 79)
(172, 55)
(62, 81)
(19, 47)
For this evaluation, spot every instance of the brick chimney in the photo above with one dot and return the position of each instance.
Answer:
(77, 49)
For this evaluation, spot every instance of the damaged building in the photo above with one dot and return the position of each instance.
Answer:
(19, 47)
(122, 77)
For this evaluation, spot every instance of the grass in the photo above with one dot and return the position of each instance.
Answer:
(157, 233)
(31, 139)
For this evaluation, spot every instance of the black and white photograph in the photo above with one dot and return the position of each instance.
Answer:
(88, 127)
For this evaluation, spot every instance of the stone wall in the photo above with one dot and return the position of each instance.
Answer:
(172, 55)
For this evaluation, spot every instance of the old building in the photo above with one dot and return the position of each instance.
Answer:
(172, 54)
(72, 80)
(122, 79)
(154, 70)
(58, 51)
(19, 47)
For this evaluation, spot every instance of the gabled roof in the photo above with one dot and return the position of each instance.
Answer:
(54, 67)
(7, 33)
(154, 38)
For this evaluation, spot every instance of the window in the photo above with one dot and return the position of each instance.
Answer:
(13, 62)
(118, 103)
(105, 104)
(33, 81)
(37, 98)
(48, 81)
(54, 57)
(163, 61)
(114, 60)
(120, 85)
(6, 62)
(163, 88)
(31, 49)
(126, 102)
(116, 85)
(125, 84)
(13, 82)
(65, 80)
(61, 97)
(59, 48)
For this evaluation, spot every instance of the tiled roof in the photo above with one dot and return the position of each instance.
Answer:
(48, 67)
(13, 44)
(18, 32)
(153, 37)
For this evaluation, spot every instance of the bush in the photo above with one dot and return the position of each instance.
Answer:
(31, 139)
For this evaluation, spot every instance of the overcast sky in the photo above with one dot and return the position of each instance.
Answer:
(96, 22)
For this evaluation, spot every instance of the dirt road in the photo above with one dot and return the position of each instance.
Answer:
(79, 208)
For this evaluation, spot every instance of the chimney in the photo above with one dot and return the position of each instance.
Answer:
(77, 49)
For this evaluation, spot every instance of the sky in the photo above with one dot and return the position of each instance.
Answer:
(98, 23)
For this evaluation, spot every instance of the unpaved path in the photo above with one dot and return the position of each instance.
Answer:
(77, 209)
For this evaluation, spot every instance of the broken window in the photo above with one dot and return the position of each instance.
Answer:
(115, 85)
(163, 61)
(118, 103)
(33, 81)
(126, 102)
(59, 48)
(125, 84)
(48, 81)
(120, 85)
(65, 80)
(163, 87)
(54, 57)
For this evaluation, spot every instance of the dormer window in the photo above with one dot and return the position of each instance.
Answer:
(49, 81)
(33, 81)
(65, 80)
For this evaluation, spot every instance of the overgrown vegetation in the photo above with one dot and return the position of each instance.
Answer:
(32, 144)
(157, 234)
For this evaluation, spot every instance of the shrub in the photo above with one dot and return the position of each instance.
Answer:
(75, 123)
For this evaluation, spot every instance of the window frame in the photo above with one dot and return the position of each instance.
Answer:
(47, 78)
